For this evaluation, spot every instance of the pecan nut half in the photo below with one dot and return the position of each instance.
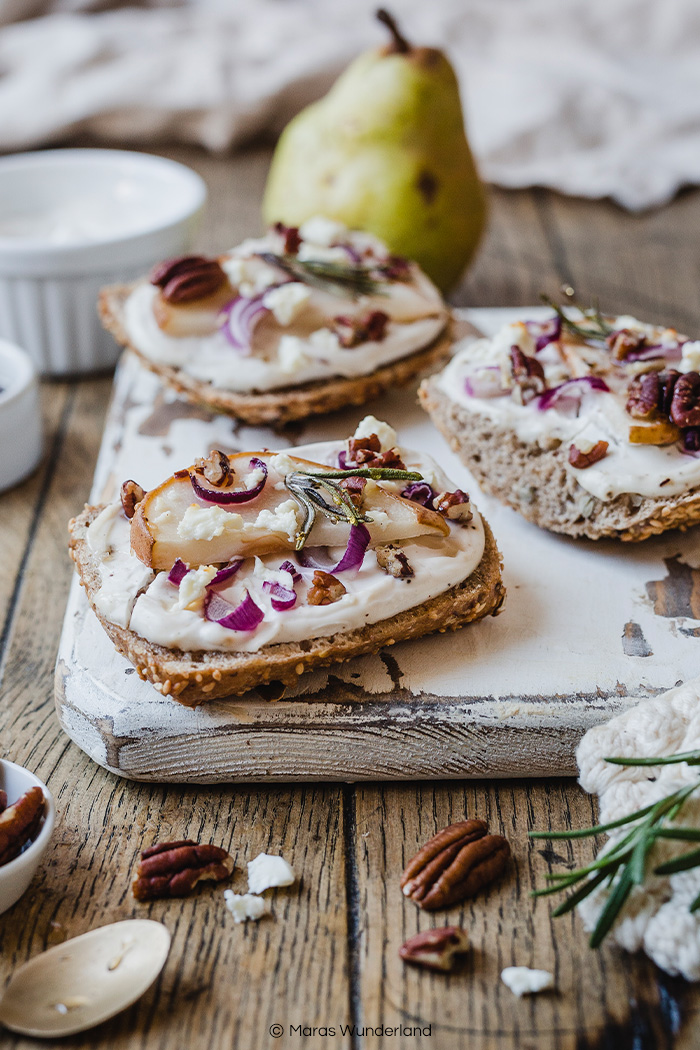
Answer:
(216, 468)
(583, 458)
(435, 949)
(130, 494)
(19, 823)
(528, 374)
(173, 869)
(685, 404)
(393, 561)
(325, 589)
(187, 278)
(455, 864)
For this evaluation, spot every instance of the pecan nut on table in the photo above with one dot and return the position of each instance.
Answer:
(455, 864)
(173, 869)
(435, 949)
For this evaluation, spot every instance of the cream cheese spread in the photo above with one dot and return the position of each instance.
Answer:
(644, 470)
(296, 343)
(132, 595)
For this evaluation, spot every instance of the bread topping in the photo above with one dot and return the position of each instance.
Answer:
(309, 316)
(279, 583)
(480, 378)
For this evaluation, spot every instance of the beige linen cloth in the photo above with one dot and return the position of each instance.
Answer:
(591, 97)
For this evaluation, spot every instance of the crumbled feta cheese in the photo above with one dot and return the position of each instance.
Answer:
(523, 981)
(193, 587)
(690, 361)
(286, 301)
(292, 355)
(322, 254)
(262, 572)
(267, 871)
(322, 231)
(371, 425)
(284, 518)
(254, 478)
(244, 906)
(282, 464)
(205, 523)
(633, 325)
(250, 276)
(323, 343)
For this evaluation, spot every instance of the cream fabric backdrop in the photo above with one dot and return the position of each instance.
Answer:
(591, 97)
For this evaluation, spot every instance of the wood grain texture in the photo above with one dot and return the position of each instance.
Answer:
(329, 955)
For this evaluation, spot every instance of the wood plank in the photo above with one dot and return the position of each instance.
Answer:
(515, 262)
(599, 995)
(646, 265)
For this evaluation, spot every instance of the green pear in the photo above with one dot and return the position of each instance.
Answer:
(385, 151)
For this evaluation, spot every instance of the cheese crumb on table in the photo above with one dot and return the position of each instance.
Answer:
(267, 871)
(523, 981)
(244, 906)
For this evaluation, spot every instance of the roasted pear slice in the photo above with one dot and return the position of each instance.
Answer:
(172, 521)
(661, 432)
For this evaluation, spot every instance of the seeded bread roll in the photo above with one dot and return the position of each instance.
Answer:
(284, 404)
(535, 482)
(194, 677)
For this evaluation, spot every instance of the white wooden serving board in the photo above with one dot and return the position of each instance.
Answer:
(586, 629)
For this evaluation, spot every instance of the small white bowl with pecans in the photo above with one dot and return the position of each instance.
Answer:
(27, 815)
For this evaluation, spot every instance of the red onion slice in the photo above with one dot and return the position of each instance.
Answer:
(358, 541)
(485, 382)
(222, 497)
(544, 332)
(657, 352)
(419, 492)
(243, 617)
(568, 396)
(287, 566)
(282, 597)
(238, 321)
(177, 573)
(227, 572)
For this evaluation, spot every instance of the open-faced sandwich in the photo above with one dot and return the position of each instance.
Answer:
(299, 322)
(251, 568)
(587, 425)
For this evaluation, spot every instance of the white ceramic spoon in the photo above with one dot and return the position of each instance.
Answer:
(83, 982)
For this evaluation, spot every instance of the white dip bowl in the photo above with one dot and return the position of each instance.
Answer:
(16, 875)
(20, 416)
(72, 221)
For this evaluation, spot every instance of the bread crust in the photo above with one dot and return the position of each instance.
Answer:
(536, 483)
(286, 403)
(194, 677)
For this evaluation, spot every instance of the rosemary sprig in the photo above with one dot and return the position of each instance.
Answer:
(337, 278)
(592, 328)
(310, 488)
(625, 864)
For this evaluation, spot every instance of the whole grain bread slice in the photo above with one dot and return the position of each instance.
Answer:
(286, 403)
(535, 481)
(194, 677)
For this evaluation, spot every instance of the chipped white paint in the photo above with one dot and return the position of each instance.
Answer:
(509, 696)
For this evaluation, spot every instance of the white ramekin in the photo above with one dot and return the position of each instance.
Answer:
(16, 875)
(20, 416)
(48, 291)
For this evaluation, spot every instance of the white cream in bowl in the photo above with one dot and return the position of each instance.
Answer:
(72, 221)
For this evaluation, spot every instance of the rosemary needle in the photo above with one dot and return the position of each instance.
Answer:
(310, 489)
(335, 277)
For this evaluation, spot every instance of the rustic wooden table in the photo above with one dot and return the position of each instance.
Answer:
(328, 957)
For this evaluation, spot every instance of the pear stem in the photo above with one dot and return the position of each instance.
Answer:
(399, 44)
